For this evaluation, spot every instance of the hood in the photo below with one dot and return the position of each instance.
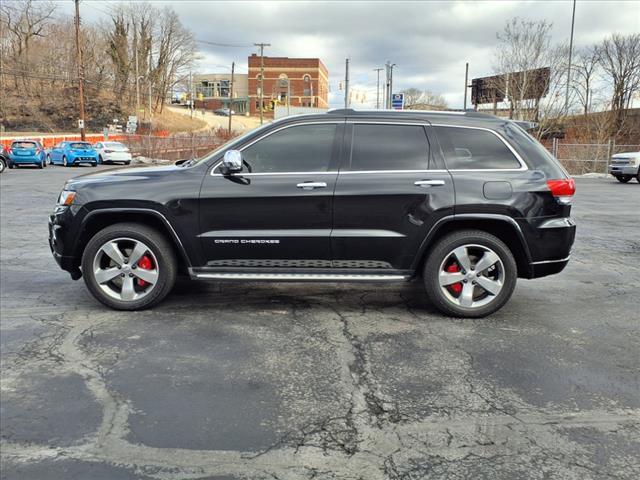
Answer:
(626, 155)
(120, 175)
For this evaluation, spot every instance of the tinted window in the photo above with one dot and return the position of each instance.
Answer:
(389, 147)
(79, 145)
(304, 148)
(24, 145)
(468, 148)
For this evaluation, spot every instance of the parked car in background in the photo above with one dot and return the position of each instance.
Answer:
(224, 112)
(3, 159)
(26, 152)
(112, 152)
(625, 166)
(73, 153)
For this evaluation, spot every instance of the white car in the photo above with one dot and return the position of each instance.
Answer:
(111, 152)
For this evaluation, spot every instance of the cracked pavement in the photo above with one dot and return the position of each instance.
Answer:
(326, 381)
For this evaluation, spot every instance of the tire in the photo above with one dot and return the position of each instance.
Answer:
(502, 273)
(638, 176)
(49, 160)
(128, 162)
(100, 159)
(2, 165)
(154, 245)
(95, 164)
(64, 162)
(41, 165)
(623, 178)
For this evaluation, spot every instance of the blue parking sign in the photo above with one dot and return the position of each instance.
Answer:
(397, 101)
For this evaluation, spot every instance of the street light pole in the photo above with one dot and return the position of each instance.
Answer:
(377, 70)
(566, 98)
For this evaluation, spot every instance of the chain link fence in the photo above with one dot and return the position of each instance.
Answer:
(581, 158)
(177, 147)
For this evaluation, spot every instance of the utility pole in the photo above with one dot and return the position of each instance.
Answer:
(466, 81)
(80, 71)
(390, 84)
(566, 98)
(135, 53)
(233, 67)
(346, 83)
(149, 87)
(377, 70)
(262, 45)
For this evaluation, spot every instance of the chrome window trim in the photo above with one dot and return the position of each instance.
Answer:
(523, 165)
(334, 122)
(351, 172)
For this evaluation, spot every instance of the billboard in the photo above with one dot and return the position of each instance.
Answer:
(524, 85)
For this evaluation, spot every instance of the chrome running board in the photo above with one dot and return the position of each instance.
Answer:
(301, 277)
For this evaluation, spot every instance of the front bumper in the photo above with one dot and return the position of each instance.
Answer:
(617, 170)
(60, 241)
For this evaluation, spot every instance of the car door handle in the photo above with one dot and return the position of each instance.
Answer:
(429, 183)
(311, 185)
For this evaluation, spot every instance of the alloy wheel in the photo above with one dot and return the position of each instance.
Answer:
(471, 276)
(126, 269)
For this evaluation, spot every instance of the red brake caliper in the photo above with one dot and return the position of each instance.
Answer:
(146, 264)
(456, 287)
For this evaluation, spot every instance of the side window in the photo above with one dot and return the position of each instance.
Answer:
(469, 148)
(302, 148)
(389, 147)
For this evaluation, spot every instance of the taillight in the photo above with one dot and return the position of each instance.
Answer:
(563, 190)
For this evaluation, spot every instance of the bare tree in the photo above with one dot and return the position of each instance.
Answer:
(584, 70)
(619, 57)
(423, 99)
(524, 46)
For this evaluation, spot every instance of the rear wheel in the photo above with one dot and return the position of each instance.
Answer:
(129, 266)
(624, 178)
(41, 164)
(470, 273)
(49, 159)
(1, 165)
(64, 162)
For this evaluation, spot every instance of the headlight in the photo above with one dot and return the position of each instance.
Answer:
(634, 161)
(66, 198)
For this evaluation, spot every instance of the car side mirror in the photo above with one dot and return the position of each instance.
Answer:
(232, 162)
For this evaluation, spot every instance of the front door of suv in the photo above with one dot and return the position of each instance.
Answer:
(391, 190)
(276, 213)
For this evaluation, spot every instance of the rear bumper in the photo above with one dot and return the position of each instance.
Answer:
(548, 267)
(79, 160)
(26, 160)
(550, 242)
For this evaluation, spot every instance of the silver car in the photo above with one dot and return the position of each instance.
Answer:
(625, 166)
(112, 152)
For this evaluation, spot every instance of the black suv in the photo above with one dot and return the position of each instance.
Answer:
(467, 201)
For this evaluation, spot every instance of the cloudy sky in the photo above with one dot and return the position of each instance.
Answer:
(428, 41)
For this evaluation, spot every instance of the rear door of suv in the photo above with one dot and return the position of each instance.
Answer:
(390, 192)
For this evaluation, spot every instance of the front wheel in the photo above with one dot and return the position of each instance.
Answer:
(470, 273)
(49, 160)
(623, 178)
(41, 165)
(64, 162)
(129, 266)
(1, 165)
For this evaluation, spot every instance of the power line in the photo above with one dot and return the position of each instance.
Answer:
(227, 45)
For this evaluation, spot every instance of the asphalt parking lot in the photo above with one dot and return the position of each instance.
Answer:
(301, 381)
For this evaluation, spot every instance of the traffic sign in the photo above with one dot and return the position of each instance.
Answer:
(397, 101)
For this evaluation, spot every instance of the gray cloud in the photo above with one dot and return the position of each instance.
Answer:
(429, 41)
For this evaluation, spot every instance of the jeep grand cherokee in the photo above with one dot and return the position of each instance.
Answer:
(466, 201)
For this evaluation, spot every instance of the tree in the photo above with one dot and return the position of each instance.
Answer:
(619, 57)
(524, 46)
(584, 71)
(423, 99)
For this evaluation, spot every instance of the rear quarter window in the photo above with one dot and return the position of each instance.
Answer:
(538, 157)
(474, 149)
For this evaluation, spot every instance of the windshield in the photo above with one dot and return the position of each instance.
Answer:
(80, 145)
(23, 145)
(227, 145)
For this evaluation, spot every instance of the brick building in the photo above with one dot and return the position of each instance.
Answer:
(303, 82)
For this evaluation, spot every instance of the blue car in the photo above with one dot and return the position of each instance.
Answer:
(26, 152)
(71, 153)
